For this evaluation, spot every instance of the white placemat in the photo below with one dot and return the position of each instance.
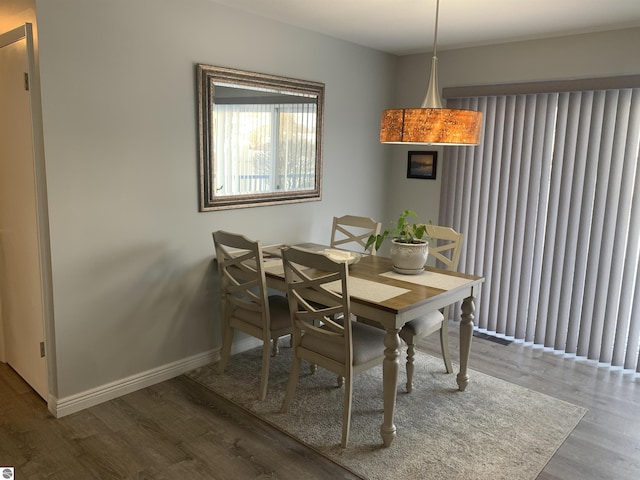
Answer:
(368, 290)
(429, 279)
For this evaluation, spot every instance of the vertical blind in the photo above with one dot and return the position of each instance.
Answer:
(550, 207)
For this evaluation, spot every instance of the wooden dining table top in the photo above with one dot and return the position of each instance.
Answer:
(432, 289)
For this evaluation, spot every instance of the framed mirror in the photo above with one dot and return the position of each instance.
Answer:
(260, 138)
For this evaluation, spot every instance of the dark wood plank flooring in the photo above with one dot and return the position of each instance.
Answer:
(178, 429)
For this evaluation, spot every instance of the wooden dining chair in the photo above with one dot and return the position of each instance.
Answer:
(444, 245)
(352, 232)
(323, 331)
(246, 306)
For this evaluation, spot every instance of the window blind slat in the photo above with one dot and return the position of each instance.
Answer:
(594, 119)
(563, 171)
(472, 238)
(545, 147)
(624, 176)
(606, 206)
(627, 337)
(548, 254)
(527, 225)
(498, 303)
(476, 237)
(565, 233)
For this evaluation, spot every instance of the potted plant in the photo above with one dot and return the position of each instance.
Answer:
(409, 250)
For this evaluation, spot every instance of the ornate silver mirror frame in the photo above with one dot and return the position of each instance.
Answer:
(260, 138)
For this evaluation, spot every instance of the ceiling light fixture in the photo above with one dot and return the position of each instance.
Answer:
(431, 124)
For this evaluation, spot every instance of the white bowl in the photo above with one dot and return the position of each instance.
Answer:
(342, 256)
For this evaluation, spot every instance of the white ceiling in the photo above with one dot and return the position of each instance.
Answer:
(407, 26)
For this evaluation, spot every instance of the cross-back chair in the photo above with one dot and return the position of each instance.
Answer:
(352, 232)
(323, 331)
(444, 245)
(246, 306)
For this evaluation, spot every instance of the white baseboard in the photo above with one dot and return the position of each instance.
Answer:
(61, 407)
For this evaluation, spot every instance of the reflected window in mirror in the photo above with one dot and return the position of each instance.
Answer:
(260, 138)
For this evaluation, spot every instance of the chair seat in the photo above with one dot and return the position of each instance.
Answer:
(368, 344)
(278, 311)
(422, 325)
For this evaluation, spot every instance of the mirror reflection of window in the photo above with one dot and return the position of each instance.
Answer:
(264, 141)
(260, 138)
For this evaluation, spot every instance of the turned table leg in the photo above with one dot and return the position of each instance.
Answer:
(466, 333)
(390, 367)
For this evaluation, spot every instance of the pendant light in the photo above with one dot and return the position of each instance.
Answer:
(431, 124)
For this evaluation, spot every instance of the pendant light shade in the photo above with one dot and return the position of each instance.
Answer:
(431, 124)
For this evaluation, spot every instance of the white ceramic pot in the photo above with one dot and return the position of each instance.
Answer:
(409, 258)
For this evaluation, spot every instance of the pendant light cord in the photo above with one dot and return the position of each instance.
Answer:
(435, 33)
(432, 98)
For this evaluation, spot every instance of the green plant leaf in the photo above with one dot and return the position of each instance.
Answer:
(402, 232)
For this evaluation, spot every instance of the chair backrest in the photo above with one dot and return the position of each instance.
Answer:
(318, 292)
(240, 265)
(354, 231)
(445, 246)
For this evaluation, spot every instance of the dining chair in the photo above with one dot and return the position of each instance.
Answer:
(323, 331)
(353, 231)
(444, 245)
(246, 305)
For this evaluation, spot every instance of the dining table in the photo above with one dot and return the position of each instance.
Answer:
(379, 293)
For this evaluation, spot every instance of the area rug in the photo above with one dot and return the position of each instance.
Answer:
(492, 430)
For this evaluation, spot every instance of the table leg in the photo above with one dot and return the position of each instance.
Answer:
(390, 367)
(466, 333)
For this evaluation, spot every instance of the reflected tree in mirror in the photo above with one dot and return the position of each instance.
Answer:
(260, 138)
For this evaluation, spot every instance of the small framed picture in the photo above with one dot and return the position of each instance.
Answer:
(422, 165)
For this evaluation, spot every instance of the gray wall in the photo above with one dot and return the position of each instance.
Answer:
(131, 254)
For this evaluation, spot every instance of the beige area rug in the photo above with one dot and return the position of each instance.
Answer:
(492, 430)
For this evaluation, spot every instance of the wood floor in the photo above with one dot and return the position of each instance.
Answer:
(179, 430)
